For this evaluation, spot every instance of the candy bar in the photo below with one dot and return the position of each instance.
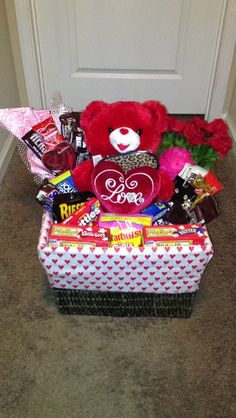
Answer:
(46, 195)
(86, 215)
(35, 143)
(61, 235)
(209, 209)
(109, 220)
(192, 234)
(213, 182)
(190, 172)
(179, 215)
(69, 123)
(161, 222)
(64, 183)
(205, 182)
(71, 130)
(157, 210)
(183, 191)
(168, 243)
(47, 129)
(206, 186)
(65, 204)
(44, 140)
(126, 237)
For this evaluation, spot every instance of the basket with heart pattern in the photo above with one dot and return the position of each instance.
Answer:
(152, 281)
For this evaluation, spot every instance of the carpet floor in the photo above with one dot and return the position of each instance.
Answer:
(55, 366)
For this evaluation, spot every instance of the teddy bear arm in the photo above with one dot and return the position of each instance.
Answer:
(82, 174)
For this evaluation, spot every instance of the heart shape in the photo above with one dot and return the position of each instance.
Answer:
(121, 192)
(61, 158)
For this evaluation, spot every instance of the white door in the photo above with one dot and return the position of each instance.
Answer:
(120, 50)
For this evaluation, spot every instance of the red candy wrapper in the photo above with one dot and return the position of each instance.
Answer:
(57, 154)
(212, 180)
(61, 158)
(87, 215)
(62, 235)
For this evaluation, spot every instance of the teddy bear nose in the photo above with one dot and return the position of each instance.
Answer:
(124, 131)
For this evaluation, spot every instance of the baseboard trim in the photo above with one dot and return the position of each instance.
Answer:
(6, 154)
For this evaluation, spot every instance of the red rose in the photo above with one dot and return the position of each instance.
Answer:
(175, 125)
(200, 126)
(199, 123)
(217, 126)
(221, 144)
(194, 136)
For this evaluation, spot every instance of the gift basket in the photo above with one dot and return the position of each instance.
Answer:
(127, 191)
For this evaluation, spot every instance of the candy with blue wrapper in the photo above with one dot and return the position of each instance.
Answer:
(158, 210)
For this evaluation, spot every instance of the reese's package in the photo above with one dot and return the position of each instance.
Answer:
(66, 204)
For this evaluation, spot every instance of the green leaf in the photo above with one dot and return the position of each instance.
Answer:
(172, 139)
(204, 156)
(167, 141)
(181, 141)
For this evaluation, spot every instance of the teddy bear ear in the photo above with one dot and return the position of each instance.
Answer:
(92, 110)
(159, 113)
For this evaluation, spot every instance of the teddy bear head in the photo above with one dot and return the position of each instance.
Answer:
(122, 127)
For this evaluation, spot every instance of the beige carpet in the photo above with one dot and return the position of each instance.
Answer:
(55, 366)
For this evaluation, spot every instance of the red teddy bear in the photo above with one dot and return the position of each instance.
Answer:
(122, 128)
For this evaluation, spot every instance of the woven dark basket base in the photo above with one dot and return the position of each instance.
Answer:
(82, 302)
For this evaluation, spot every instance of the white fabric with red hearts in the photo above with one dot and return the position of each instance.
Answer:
(174, 269)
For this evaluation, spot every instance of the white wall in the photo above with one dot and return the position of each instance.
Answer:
(230, 102)
(232, 109)
(8, 93)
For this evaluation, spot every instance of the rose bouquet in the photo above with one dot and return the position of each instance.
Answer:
(207, 141)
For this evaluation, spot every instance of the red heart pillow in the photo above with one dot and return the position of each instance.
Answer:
(120, 192)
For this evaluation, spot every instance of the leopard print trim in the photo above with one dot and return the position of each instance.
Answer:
(133, 160)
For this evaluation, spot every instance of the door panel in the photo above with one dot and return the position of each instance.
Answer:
(127, 50)
(126, 44)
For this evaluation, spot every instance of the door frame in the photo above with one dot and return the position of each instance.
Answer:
(30, 59)
(223, 60)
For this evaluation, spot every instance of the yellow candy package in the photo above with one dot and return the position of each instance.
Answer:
(130, 236)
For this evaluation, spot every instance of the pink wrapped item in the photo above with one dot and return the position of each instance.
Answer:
(19, 121)
(173, 160)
